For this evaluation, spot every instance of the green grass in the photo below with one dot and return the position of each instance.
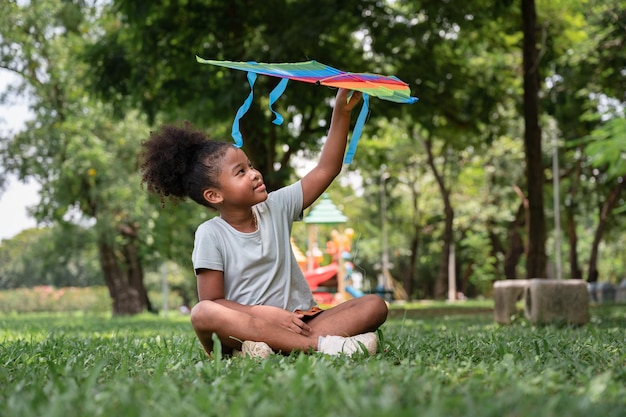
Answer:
(452, 365)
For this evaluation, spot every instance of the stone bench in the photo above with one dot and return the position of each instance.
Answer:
(557, 301)
(506, 294)
(545, 300)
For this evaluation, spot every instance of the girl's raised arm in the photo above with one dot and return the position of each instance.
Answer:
(329, 165)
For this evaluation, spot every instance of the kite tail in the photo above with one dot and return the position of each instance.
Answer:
(236, 134)
(358, 129)
(275, 95)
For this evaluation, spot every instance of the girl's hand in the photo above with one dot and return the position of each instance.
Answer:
(283, 318)
(296, 325)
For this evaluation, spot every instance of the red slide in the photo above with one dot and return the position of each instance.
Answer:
(318, 275)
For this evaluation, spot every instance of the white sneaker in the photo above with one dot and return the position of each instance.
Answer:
(335, 345)
(252, 349)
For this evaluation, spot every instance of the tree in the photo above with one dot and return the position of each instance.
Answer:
(147, 59)
(461, 70)
(535, 180)
(462, 60)
(605, 148)
(391, 161)
(84, 161)
(585, 48)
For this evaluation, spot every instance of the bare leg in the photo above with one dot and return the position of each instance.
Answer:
(232, 326)
(352, 317)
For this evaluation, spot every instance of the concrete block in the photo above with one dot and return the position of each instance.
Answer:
(554, 301)
(620, 294)
(605, 292)
(592, 288)
(506, 294)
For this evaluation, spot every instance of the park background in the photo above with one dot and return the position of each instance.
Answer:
(511, 165)
(507, 88)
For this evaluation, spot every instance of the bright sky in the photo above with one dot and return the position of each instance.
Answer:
(17, 196)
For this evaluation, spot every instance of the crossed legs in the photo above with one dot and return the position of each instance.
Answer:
(355, 316)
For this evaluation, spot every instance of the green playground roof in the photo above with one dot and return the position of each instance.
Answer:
(325, 212)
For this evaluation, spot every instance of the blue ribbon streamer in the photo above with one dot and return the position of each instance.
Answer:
(358, 128)
(278, 119)
(236, 134)
(275, 95)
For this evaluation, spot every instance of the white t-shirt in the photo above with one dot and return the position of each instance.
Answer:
(259, 267)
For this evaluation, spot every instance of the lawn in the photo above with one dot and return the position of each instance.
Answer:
(428, 365)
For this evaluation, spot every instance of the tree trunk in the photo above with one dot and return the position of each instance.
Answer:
(441, 284)
(570, 227)
(572, 237)
(496, 249)
(411, 278)
(605, 212)
(516, 247)
(123, 275)
(133, 264)
(536, 260)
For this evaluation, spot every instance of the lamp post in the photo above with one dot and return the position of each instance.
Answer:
(384, 176)
(164, 287)
(555, 182)
(557, 208)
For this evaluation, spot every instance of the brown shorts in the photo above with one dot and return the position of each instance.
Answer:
(310, 313)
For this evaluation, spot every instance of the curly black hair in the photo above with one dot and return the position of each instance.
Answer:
(179, 162)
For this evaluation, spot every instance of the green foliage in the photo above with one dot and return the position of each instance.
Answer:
(585, 49)
(84, 158)
(50, 299)
(476, 246)
(454, 366)
(181, 283)
(146, 59)
(54, 256)
(606, 148)
(99, 77)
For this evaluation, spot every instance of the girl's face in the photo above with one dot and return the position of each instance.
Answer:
(240, 183)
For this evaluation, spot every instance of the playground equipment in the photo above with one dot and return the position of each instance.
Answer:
(338, 274)
(338, 280)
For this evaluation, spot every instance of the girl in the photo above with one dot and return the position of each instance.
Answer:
(250, 286)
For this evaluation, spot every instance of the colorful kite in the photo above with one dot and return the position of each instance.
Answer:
(384, 87)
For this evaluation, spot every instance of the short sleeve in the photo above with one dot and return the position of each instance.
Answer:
(206, 252)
